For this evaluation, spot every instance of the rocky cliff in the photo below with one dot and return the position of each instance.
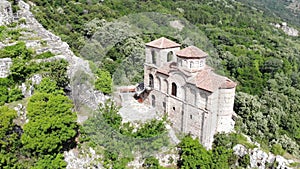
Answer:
(6, 14)
(79, 72)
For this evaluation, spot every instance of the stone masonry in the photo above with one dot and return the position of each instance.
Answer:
(178, 82)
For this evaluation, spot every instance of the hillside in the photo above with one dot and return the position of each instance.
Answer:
(242, 44)
(287, 10)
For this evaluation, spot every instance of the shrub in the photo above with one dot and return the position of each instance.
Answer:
(277, 149)
(104, 82)
(44, 55)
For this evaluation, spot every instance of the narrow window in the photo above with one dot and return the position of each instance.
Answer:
(191, 116)
(191, 64)
(151, 81)
(159, 83)
(170, 56)
(153, 53)
(174, 89)
(201, 63)
(153, 101)
(164, 106)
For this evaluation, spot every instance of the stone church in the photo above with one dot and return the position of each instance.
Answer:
(178, 82)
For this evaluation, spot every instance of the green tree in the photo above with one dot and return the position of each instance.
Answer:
(151, 163)
(48, 85)
(14, 94)
(104, 82)
(193, 155)
(51, 162)
(3, 95)
(9, 138)
(52, 125)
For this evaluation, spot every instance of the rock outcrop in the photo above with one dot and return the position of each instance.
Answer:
(6, 14)
(83, 159)
(260, 159)
(286, 29)
(5, 64)
(79, 72)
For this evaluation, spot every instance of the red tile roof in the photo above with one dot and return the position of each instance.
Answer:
(191, 52)
(166, 68)
(209, 81)
(163, 43)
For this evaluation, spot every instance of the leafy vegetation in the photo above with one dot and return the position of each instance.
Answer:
(10, 137)
(104, 82)
(262, 59)
(194, 155)
(52, 124)
(51, 129)
(120, 147)
(288, 10)
(152, 163)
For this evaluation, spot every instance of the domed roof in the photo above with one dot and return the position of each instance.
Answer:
(191, 52)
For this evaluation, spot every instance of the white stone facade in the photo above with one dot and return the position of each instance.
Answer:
(5, 64)
(6, 14)
(196, 100)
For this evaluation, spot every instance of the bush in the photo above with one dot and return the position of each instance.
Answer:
(151, 163)
(14, 94)
(44, 55)
(104, 82)
(277, 149)
(244, 161)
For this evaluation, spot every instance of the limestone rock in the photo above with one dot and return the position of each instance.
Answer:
(86, 159)
(259, 158)
(79, 72)
(240, 150)
(288, 30)
(6, 14)
(5, 64)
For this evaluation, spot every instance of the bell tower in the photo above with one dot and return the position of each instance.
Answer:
(158, 52)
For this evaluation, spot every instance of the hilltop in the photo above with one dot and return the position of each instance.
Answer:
(66, 55)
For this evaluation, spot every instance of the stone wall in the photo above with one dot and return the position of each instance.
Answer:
(6, 14)
(5, 64)
(225, 113)
(161, 55)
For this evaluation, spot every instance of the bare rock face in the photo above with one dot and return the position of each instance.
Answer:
(5, 64)
(28, 89)
(288, 30)
(6, 14)
(260, 159)
(83, 159)
(79, 72)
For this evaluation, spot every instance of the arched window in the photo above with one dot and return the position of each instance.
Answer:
(153, 53)
(153, 101)
(174, 89)
(170, 56)
(201, 63)
(151, 81)
(191, 64)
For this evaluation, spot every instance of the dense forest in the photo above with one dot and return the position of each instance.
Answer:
(242, 44)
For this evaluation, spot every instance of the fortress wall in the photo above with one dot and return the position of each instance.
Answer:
(193, 121)
(175, 108)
